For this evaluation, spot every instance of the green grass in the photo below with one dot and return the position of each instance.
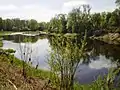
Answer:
(100, 84)
(5, 33)
(31, 71)
(1, 43)
(10, 50)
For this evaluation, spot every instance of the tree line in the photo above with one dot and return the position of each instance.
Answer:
(76, 21)
(80, 19)
(20, 25)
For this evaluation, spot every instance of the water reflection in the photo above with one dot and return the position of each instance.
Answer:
(100, 48)
(21, 38)
(38, 46)
(97, 58)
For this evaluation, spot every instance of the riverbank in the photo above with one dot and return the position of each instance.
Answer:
(13, 68)
(110, 38)
(11, 77)
(5, 33)
(34, 33)
(1, 43)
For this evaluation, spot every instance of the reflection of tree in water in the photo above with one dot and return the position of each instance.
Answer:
(97, 48)
(21, 38)
(94, 49)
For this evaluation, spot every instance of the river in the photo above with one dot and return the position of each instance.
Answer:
(100, 56)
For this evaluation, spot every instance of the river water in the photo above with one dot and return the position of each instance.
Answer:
(100, 56)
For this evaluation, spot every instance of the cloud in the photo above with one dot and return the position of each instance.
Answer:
(107, 9)
(101, 6)
(8, 7)
(74, 3)
(102, 62)
(31, 11)
(69, 5)
(42, 11)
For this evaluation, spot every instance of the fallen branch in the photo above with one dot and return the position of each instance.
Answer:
(12, 84)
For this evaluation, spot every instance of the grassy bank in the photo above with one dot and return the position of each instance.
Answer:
(1, 43)
(11, 75)
(5, 33)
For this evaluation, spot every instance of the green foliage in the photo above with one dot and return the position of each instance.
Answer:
(20, 25)
(33, 24)
(80, 19)
(1, 24)
(65, 58)
(102, 83)
(117, 2)
(7, 51)
(10, 50)
(1, 43)
(27, 39)
(99, 84)
(75, 22)
(31, 71)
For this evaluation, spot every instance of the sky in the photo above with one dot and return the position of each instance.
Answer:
(44, 10)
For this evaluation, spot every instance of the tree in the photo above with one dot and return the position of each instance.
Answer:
(33, 25)
(9, 24)
(71, 21)
(113, 20)
(64, 60)
(117, 2)
(17, 24)
(23, 25)
(79, 19)
(103, 23)
(4, 25)
(62, 23)
(54, 25)
(96, 20)
(1, 24)
(42, 26)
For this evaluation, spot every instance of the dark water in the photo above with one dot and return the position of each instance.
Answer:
(99, 55)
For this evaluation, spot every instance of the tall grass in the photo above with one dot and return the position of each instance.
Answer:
(1, 43)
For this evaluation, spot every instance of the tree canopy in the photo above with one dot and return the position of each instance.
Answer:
(20, 25)
(76, 21)
(117, 2)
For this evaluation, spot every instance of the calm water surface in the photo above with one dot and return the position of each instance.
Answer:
(100, 56)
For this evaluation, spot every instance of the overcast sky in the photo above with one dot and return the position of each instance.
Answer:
(43, 10)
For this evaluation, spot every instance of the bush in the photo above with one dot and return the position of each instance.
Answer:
(1, 44)
(10, 51)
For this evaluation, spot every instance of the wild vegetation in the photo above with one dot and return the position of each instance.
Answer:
(1, 44)
(64, 60)
(65, 56)
(11, 75)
